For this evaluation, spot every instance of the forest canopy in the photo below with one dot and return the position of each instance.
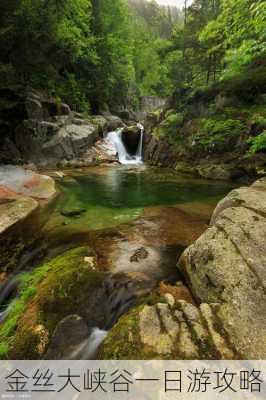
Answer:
(94, 53)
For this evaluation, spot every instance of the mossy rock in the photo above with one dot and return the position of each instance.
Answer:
(173, 329)
(123, 341)
(58, 288)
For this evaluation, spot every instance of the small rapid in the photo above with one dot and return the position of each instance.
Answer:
(88, 349)
(95, 340)
(115, 146)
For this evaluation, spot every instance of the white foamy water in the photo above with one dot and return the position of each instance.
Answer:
(88, 349)
(115, 145)
(95, 340)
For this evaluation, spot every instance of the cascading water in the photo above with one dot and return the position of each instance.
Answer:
(115, 145)
(140, 146)
(95, 340)
(87, 350)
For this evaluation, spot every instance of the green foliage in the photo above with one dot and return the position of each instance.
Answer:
(151, 31)
(169, 127)
(258, 143)
(218, 135)
(172, 122)
(238, 33)
(3, 350)
(93, 53)
(221, 39)
(237, 59)
(72, 91)
(247, 84)
(222, 127)
(85, 51)
(259, 120)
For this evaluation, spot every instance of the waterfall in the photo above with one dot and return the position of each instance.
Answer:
(140, 146)
(116, 146)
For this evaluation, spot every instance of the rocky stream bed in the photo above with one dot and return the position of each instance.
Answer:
(101, 260)
(126, 256)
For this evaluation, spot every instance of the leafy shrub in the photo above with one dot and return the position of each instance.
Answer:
(168, 128)
(74, 93)
(174, 120)
(258, 143)
(238, 58)
(222, 127)
(259, 120)
(218, 135)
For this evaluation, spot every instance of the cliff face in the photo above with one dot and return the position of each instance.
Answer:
(44, 131)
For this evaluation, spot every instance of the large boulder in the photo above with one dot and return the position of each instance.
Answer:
(48, 142)
(26, 182)
(69, 334)
(58, 308)
(113, 123)
(15, 209)
(16, 232)
(152, 120)
(101, 122)
(41, 107)
(71, 141)
(19, 218)
(159, 152)
(172, 329)
(226, 266)
(46, 131)
(131, 138)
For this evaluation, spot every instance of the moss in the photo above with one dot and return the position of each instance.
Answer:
(123, 340)
(150, 300)
(55, 289)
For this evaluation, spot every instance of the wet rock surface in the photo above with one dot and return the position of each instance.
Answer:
(158, 152)
(137, 247)
(21, 192)
(17, 180)
(131, 138)
(69, 333)
(16, 233)
(16, 211)
(73, 212)
(140, 254)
